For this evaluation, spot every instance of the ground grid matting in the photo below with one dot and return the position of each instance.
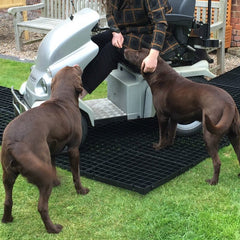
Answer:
(121, 153)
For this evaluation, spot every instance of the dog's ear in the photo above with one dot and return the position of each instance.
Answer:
(77, 71)
(78, 85)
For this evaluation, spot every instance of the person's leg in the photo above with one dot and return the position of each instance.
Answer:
(101, 39)
(106, 60)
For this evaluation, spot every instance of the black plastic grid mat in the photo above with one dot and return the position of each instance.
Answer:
(121, 153)
(6, 109)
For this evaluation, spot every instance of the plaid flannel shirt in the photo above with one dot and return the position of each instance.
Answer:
(142, 23)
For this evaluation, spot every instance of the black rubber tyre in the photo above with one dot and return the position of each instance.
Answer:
(189, 129)
(196, 126)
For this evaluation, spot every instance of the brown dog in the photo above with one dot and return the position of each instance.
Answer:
(31, 139)
(179, 100)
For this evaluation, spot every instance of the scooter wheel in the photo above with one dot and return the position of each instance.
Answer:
(189, 129)
(196, 126)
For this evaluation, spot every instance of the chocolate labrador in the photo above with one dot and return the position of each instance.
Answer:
(32, 139)
(179, 100)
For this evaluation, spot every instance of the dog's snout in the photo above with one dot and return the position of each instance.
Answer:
(77, 67)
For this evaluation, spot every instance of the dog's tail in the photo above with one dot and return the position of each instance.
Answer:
(223, 125)
(30, 166)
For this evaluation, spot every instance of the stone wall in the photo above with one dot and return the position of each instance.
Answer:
(235, 22)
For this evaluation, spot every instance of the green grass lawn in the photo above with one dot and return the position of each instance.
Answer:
(184, 208)
(14, 73)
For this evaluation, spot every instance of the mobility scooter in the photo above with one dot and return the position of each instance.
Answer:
(128, 94)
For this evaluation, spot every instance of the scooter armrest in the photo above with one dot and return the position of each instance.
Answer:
(179, 19)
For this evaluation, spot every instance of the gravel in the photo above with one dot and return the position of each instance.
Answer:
(29, 51)
(7, 42)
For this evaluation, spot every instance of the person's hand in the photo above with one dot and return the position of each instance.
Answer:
(149, 64)
(117, 40)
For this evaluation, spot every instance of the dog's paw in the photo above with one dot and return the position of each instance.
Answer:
(57, 228)
(84, 191)
(157, 146)
(7, 219)
(211, 181)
